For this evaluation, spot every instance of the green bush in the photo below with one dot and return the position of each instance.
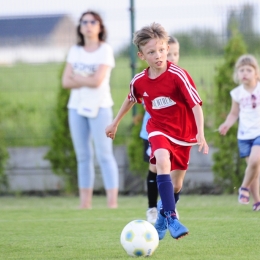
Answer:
(135, 144)
(3, 158)
(61, 153)
(228, 167)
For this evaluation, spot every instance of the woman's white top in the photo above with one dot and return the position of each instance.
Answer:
(249, 117)
(86, 63)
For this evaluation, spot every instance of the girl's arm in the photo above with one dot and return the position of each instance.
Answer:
(199, 119)
(231, 118)
(112, 128)
(71, 80)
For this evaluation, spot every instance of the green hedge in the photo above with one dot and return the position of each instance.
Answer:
(137, 165)
(3, 157)
(228, 167)
(61, 153)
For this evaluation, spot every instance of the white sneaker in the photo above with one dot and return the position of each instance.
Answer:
(151, 215)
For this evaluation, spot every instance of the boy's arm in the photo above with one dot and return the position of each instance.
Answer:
(112, 128)
(199, 119)
(231, 118)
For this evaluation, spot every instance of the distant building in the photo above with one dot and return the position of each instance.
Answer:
(39, 38)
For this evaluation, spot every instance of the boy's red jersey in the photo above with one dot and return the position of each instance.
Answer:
(169, 100)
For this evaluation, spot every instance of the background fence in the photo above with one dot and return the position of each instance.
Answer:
(34, 42)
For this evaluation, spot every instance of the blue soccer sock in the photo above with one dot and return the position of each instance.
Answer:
(166, 192)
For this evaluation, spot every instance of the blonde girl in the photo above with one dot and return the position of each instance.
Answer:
(246, 108)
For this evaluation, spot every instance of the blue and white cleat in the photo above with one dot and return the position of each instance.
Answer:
(159, 206)
(177, 230)
(161, 224)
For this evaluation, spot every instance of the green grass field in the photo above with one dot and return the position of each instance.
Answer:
(28, 95)
(35, 228)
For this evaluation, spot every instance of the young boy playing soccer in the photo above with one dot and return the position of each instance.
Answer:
(176, 122)
(152, 189)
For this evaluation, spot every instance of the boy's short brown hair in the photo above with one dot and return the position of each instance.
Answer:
(153, 31)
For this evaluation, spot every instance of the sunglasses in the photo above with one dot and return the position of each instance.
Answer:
(253, 99)
(92, 22)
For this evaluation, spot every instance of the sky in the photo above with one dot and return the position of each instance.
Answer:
(174, 15)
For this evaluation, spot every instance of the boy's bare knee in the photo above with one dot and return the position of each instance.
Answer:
(177, 188)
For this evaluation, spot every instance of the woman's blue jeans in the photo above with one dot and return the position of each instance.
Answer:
(86, 131)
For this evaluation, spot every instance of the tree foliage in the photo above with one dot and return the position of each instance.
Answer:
(243, 18)
(3, 158)
(199, 41)
(228, 167)
(61, 153)
(137, 165)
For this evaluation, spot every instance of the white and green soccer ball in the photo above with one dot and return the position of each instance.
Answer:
(139, 238)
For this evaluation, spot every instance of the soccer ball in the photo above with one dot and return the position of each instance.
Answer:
(139, 238)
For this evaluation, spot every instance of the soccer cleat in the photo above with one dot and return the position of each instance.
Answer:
(161, 226)
(161, 222)
(151, 215)
(177, 230)
(160, 206)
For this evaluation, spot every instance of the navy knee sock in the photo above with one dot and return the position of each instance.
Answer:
(166, 192)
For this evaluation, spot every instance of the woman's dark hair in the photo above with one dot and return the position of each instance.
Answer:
(102, 34)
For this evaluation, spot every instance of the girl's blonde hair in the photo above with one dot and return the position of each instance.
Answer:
(243, 60)
(147, 33)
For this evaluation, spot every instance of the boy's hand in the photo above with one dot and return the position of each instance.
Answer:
(202, 144)
(111, 131)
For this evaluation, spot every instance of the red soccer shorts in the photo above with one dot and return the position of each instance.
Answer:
(179, 155)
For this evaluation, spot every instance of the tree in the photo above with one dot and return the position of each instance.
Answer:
(243, 18)
(228, 167)
(135, 146)
(3, 157)
(199, 41)
(61, 153)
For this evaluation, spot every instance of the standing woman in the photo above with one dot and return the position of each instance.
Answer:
(87, 75)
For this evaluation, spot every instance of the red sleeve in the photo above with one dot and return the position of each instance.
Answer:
(133, 95)
(133, 98)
